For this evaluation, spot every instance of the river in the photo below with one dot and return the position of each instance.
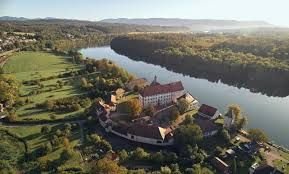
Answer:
(268, 113)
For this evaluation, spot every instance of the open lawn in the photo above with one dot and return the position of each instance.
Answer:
(36, 65)
(35, 139)
(282, 166)
(30, 65)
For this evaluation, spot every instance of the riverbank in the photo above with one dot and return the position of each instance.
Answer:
(258, 107)
(206, 57)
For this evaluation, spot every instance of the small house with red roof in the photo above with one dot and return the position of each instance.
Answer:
(208, 127)
(208, 112)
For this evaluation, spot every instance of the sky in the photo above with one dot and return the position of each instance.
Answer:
(272, 11)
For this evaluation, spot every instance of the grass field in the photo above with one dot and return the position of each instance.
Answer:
(35, 65)
(35, 139)
(282, 166)
(30, 65)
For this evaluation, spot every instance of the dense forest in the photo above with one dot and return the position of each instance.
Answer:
(64, 34)
(257, 62)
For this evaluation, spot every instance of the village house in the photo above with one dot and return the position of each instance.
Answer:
(263, 169)
(193, 103)
(160, 95)
(220, 165)
(208, 127)
(143, 133)
(110, 100)
(150, 134)
(119, 93)
(208, 112)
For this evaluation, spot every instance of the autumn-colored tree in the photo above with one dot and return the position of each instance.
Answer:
(9, 89)
(183, 105)
(132, 107)
(107, 166)
(240, 118)
(257, 135)
(188, 134)
(66, 143)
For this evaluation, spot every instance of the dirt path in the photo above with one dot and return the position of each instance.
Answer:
(273, 155)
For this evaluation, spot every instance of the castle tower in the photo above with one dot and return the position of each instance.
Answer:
(155, 82)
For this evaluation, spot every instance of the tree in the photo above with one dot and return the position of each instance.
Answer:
(45, 129)
(12, 116)
(234, 166)
(188, 119)
(136, 88)
(240, 118)
(257, 135)
(9, 89)
(197, 169)
(150, 110)
(165, 170)
(183, 105)
(106, 166)
(188, 134)
(133, 107)
(225, 135)
(49, 105)
(66, 154)
(174, 115)
(139, 154)
(157, 157)
(84, 83)
(66, 143)
(123, 155)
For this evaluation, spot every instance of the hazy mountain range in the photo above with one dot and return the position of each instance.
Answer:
(192, 24)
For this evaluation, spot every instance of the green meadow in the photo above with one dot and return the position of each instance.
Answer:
(36, 65)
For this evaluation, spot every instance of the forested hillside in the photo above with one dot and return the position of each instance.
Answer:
(260, 63)
(64, 34)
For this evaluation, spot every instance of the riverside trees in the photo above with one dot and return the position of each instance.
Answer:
(215, 57)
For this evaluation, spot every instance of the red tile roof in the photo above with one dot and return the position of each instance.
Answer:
(208, 110)
(206, 125)
(147, 131)
(162, 89)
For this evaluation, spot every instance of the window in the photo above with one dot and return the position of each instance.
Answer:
(132, 137)
(159, 142)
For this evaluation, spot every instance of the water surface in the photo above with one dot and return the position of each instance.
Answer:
(268, 113)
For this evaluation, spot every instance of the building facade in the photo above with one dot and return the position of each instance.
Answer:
(158, 94)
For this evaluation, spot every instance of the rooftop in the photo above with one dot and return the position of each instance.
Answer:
(206, 125)
(208, 110)
(188, 97)
(162, 89)
(147, 131)
(220, 165)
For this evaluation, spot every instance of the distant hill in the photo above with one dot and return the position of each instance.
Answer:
(193, 24)
(10, 18)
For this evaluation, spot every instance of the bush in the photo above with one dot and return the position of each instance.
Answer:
(66, 154)
(45, 129)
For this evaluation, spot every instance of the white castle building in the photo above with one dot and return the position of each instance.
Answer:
(158, 94)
